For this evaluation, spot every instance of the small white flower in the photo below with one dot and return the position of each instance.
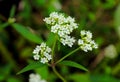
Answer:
(48, 49)
(48, 21)
(67, 40)
(35, 78)
(70, 19)
(94, 45)
(44, 60)
(80, 42)
(82, 33)
(55, 28)
(47, 56)
(43, 45)
(36, 57)
(86, 47)
(88, 34)
(36, 50)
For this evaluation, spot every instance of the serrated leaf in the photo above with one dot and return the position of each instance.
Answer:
(73, 64)
(31, 66)
(26, 33)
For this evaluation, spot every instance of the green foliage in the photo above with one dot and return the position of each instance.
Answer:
(12, 11)
(50, 39)
(79, 77)
(117, 20)
(102, 17)
(117, 16)
(39, 3)
(3, 25)
(13, 79)
(31, 66)
(103, 78)
(43, 71)
(73, 64)
(4, 74)
(26, 33)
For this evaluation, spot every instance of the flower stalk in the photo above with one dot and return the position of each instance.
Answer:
(68, 55)
(56, 72)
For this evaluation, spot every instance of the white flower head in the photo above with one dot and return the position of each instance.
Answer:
(42, 53)
(62, 26)
(35, 78)
(86, 43)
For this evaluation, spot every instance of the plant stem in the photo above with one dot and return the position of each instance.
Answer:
(56, 72)
(68, 55)
(53, 49)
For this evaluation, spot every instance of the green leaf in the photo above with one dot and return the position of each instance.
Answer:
(79, 77)
(13, 79)
(117, 20)
(26, 33)
(4, 25)
(50, 39)
(117, 16)
(12, 11)
(103, 78)
(43, 71)
(31, 66)
(73, 64)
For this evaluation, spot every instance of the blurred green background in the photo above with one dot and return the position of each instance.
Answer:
(17, 41)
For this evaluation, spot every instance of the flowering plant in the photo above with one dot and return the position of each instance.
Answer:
(61, 26)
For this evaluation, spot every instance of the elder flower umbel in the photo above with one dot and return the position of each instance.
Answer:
(62, 26)
(86, 43)
(35, 78)
(42, 53)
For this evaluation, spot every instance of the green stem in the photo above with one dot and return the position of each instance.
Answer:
(68, 55)
(53, 49)
(55, 71)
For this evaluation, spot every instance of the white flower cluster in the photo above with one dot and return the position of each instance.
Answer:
(62, 26)
(35, 78)
(67, 40)
(86, 43)
(42, 51)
